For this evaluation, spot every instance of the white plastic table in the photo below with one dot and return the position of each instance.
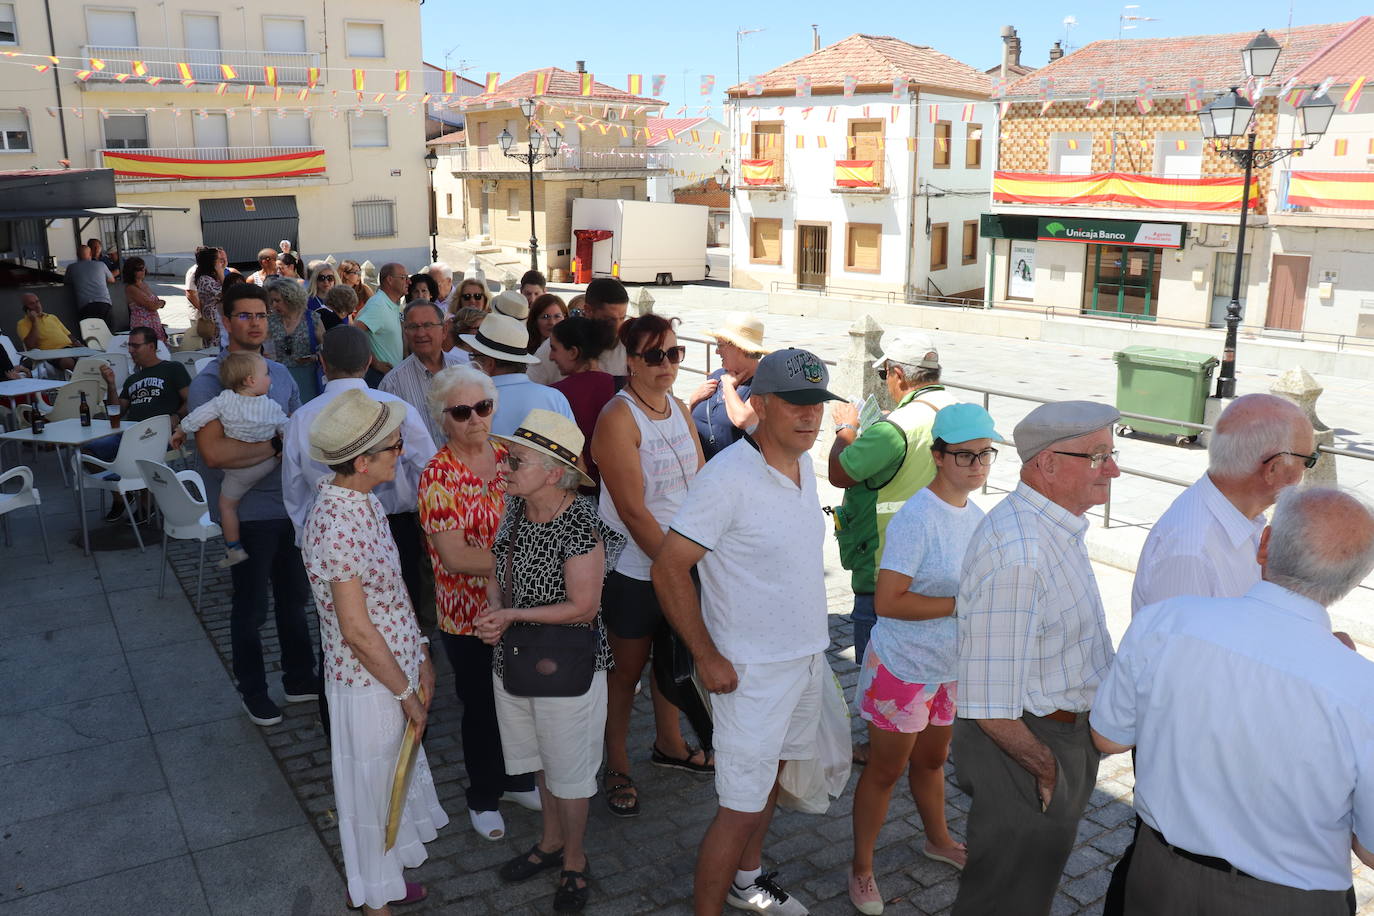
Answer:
(71, 433)
(21, 387)
(64, 353)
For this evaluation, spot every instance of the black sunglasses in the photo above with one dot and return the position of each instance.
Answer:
(463, 412)
(657, 355)
(467, 296)
(1308, 461)
(397, 447)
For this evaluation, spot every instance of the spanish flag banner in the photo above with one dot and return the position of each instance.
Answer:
(634, 85)
(1342, 146)
(269, 76)
(221, 88)
(855, 173)
(97, 64)
(1146, 191)
(450, 82)
(359, 80)
(759, 171)
(1352, 95)
(312, 77)
(228, 72)
(1332, 190)
(586, 84)
(139, 68)
(541, 83)
(139, 165)
(184, 72)
(493, 80)
(402, 80)
(83, 75)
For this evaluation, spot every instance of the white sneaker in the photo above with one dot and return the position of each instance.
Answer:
(490, 825)
(529, 800)
(765, 896)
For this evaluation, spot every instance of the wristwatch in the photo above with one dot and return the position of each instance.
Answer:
(277, 445)
(840, 426)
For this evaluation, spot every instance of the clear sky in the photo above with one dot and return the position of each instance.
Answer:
(685, 40)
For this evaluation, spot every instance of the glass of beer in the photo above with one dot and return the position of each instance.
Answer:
(113, 411)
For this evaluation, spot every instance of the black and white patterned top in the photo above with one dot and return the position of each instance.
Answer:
(537, 564)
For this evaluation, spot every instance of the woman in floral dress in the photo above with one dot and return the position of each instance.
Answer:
(377, 670)
(143, 302)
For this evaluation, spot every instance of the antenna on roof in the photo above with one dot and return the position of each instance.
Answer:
(1129, 17)
(1070, 23)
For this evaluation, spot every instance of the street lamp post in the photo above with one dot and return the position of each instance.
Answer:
(534, 154)
(1226, 120)
(432, 163)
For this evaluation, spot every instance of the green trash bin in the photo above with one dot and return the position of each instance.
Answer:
(1159, 382)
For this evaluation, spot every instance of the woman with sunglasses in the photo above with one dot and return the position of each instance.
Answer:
(323, 277)
(647, 450)
(574, 347)
(462, 498)
(143, 302)
(294, 334)
(351, 275)
(907, 683)
(471, 293)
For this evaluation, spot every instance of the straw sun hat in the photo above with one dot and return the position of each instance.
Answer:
(744, 330)
(501, 337)
(511, 304)
(350, 425)
(551, 434)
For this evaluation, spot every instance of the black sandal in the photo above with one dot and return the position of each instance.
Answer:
(705, 768)
(616, 795)
(569, 898)
(529, 864)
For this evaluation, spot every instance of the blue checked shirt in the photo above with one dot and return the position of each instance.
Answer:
(1032, 634)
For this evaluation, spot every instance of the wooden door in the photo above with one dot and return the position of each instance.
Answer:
(866, 143)
(1287, 292)
(813, 255)
(766, 144)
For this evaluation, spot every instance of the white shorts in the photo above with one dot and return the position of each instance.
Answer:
(562, 736)
(238, 481)
(770, 717)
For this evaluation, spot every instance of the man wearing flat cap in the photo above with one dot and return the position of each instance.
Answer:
(1033, 647)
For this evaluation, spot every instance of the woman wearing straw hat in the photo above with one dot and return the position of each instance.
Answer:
(552, 552)
(377, 670)
(720, 406)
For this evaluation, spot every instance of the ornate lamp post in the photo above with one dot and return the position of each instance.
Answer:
(1224, 122)
(432, 163)
(534, 154)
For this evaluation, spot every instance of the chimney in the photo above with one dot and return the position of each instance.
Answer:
(815, 37)
(1056, 52)
(581, 66)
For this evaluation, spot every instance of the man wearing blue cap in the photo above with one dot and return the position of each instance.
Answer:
(752, 526)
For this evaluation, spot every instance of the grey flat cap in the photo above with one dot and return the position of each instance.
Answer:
(1051, 423)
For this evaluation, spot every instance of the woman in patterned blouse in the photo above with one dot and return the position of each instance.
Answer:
(462, 495)
(377, 671)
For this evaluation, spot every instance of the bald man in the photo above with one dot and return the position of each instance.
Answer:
(40, 330)
(1260, 817)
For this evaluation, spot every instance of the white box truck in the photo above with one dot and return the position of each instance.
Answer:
(639, 241)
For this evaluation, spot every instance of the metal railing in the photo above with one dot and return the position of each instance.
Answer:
(205, 64)
(490, 159)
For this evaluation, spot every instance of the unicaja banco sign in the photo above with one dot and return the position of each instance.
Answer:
(1111, 232)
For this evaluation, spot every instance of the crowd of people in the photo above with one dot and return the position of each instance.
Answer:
(512, 476)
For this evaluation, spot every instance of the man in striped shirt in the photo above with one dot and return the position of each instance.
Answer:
(1033, 646)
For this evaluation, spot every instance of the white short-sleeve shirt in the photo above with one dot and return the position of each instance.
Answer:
(763, 577)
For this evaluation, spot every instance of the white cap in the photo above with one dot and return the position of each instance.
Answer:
(910, 348)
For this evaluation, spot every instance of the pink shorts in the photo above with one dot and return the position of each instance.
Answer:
(895, 705)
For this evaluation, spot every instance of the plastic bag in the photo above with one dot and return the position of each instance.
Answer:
(809, 785)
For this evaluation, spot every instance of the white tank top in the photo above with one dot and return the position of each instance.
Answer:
(668, 462)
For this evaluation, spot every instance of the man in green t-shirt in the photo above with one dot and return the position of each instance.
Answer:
(880, 468)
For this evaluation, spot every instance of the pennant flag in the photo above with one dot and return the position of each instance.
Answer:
(801, 142)
(228, 72)
(493, 80)
(715, 138)
(830, 115)
(97, 63)
(269, 76)
(83, 75)
(1145, 95)
(121, 77)
(934, 113)
(744, 140)
(105, 115)
(402, 80)
(1097, 87)
(586, 84)
(968, 112)
(1352, 95)
(1193, 98)
(378, 97)
(708, 82)
(359, 80)
(820, 142)
(249, 91)
(302, 95)
(866, 108)
(623, 131)
(850, 84)
(139, 68)
(659, 80)
(892, 116)
(603, 128)
(806, 112)
(276, 94)
(153, 80)
(450, 82)
(1371, 146)
(804, 87)
(220, 89)
(42, 68)
(52, 113)
(899, 87)
(1002, 108)
(184, 71)
(1073, 144)
(1341, 147)
(541, 83)
(696, 136)
(1181, 145)
(911, 144)
(312, 77)
(54, 60)
(756, 86)
(999, 88)
(634, 84)
(1296, 96)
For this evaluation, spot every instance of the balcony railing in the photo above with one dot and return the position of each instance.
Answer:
(1325, 193)
(213, 163)
(859, 176)
(761, 173)
(204, 64)
(615, 158)
(1123, 189)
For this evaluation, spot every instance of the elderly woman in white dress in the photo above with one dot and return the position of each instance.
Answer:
(377, 668)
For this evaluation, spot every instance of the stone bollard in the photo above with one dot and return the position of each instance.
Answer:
(1298, 386)
(644, 303)
(853, 378)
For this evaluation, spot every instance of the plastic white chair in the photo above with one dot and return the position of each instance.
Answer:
(66, 402)
(88, 367)
(26, 496)
(10, 351)
(185, 516)
(146, 440)
(95, 333)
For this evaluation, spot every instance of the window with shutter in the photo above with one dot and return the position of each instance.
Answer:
(863, 246)
(292, 130)
(513, 203)
(364, 39)
(941, 154)
(939, 246)
(282, 34)
(9, 29)
(970, 241)
(112, 28)
(126, 132)
(865, 143)
(14, 132)
(973, 146)
(765, 241)
(368, 130)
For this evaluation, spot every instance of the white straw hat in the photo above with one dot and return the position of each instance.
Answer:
(351, 424)
(511, 303)
(744, 330)
(552, 434)
(501, 337)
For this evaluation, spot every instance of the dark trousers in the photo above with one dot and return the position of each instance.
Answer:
(1017, 852)
(405, 530)
(96, 309)
(1163, 883)
(272, 558)
(470, 659)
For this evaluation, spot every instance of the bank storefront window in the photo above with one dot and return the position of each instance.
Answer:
(1125, 281)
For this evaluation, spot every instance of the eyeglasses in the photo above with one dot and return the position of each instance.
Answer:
(1095, 460)
(515, 461)
(1308, 461)
(250, 316)
(349, 273)
(473, 296)
(657, 355)
(267, 257)
(423, 326)
(327, 278)
(551, 316)
(964, 458)
(882, 374)
(396, 447)
(463, 412)
(135, 344)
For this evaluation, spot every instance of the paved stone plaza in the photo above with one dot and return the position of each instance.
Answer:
(131, 781)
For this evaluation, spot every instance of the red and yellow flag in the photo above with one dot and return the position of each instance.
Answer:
(493, 80)
(541, 83)
(83, 75)
(450, 82)
(759, 171)
(586, 84)
(635, 84)
(1332, 190)
(1342, 146)
(97, 64)
(1352, 95)
(139, 68)
(228, 72)
(140, 165)
(220, 89)
(249, 91)
(312, 76)
(153, 80)
(855, 173)
(1181, 145)
(402, 80)
(184, 71)
(269, 76)
(359, 80)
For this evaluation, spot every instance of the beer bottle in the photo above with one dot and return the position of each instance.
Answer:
(85, 411)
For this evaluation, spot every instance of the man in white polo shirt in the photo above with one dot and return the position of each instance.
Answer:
(753, 528)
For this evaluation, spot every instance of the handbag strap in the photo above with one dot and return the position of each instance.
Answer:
(507, 580)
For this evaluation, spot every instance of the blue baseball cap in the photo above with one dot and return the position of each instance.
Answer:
(962, 423)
